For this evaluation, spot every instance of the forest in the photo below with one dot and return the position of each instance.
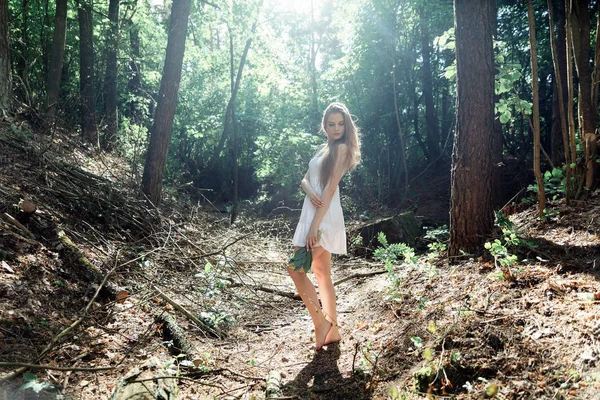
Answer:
(151, 160)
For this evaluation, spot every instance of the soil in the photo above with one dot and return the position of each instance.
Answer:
(469, 330)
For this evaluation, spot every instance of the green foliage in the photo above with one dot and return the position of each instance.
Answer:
(301, 260)
(555, 183)
(391, 253)
(30, 382)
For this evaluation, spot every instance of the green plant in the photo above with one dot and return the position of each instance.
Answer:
(391, 253)
(555, 183)
(30, 382)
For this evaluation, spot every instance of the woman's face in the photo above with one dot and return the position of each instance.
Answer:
(334, 126)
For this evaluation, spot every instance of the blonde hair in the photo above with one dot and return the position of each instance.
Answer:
(350, 139)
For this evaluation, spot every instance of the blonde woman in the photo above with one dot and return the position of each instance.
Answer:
(321, 229)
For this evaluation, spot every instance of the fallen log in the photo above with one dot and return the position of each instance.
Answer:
(149, 382)
(400, 228)
(82, 266)
(273, 385)
(175, 334)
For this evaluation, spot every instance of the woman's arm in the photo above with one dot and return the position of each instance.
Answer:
(327, 195)
(315, 199)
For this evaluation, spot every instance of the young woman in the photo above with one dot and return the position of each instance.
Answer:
(321, 227)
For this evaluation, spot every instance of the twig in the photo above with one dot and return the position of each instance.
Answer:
(364, 275)
(52, 367)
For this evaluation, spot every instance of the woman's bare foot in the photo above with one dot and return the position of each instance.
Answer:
(333, 336)
(321, 333)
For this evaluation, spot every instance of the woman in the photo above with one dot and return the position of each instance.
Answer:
(321, 227)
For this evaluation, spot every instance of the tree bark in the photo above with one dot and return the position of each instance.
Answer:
(560, 143)
(5, 73)
(56, 59)
(156, 158)
(471, 215)
(110, 77)
(580, 25)
(433, 134)
(560, 132)
(536, 112)
(87, 107)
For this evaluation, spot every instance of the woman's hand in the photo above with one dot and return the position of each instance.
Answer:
(315, 199)
(312, 239)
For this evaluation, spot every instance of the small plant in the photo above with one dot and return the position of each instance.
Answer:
(391, 253)
(555, 184)
(30, 382)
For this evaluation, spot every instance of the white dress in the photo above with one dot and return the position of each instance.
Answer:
(332, 229)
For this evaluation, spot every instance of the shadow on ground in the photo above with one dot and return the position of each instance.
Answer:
(322, 379)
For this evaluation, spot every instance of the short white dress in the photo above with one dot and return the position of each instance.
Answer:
(332, 229)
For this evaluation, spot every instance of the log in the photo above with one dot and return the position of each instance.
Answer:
(149, 382)
(273, 385)
(400, 228)
(82, 266)
(172, 332)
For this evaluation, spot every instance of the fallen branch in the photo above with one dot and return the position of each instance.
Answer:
(354, 276)
(214, 330)
(52, 367)
(9, 218)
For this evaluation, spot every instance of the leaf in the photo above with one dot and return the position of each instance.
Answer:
(207, 268)
(428, 354)
(301, 260)
(122, 296)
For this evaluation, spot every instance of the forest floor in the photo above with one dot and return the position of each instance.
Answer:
(473, 329)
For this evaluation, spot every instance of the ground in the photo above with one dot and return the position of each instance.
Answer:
(419, 327)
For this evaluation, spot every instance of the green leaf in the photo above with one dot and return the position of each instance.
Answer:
(301, 260)
(207, 268)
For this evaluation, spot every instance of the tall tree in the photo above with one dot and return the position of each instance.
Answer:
(156, 158)
(536, 111)
(234, 92)
(87, 108)
(471, 214)
(56, 59)
(5, 75)
(580, 27)
(433, 134)
(110, 77)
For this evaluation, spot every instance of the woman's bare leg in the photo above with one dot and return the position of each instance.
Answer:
(307, 292)
(322, 269)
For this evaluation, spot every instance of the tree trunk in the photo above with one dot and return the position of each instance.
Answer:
(433, 135)
(580, 25)
(536, 112)
(471, 214)
(228, 112)
(135, 82)
(156, 158)
(22, 45)
(56, 59)
(87, 107)
(560, 132)
(5, 73)
(110, 78)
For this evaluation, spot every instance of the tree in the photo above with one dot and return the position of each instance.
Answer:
(471, 214)
(5, 75)
(160, 137)
(110, 77)
(56, 59)
(433, 135)
(536, 112)
(87, 108)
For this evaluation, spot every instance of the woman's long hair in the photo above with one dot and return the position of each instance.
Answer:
(350, 139)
